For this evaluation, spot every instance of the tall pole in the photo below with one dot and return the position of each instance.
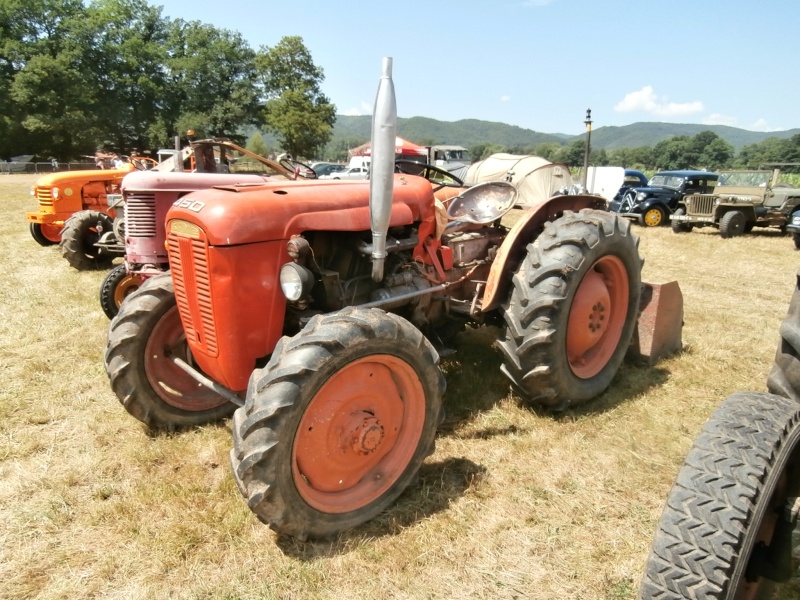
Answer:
(588, 146)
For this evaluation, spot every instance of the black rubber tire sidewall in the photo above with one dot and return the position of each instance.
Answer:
(78, 239)
(732, 224)
(680, 226)
(108, 290)
(716, 507)
(36, 234)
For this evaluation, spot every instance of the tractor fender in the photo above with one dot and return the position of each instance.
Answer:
(525, 231)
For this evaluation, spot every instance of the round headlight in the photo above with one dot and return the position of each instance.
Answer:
(296, 281)
(641, 196)
(55, 192)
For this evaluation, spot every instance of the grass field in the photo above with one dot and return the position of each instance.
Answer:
(515, 503)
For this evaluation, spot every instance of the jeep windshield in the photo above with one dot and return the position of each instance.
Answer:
(667, 181)
(744, 179)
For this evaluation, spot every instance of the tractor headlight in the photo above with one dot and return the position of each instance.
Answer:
(55, 192)
(296, 281)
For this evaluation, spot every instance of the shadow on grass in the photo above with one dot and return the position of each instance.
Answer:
(438, 485)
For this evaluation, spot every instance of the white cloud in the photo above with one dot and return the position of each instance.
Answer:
(364, 109)
(505, 98)
(647, 101)
(718, 119)
(762, 125)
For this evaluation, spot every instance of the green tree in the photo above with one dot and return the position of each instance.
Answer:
(297, 111)
(257, 145)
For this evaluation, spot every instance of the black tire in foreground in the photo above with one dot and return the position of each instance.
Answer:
(118, 285)
(784, 378)
(143, 336)
(336, 426)
(680, 226)
(732, 224)
(81, 232)
(45, 235)
(573, 309)
(726, 530)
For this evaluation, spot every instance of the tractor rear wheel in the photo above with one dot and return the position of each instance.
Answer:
(573, 308)
(80, 234)
(44, 234)
(732, 224)
(142, 338)
(117, 286)
(728, 525)
(336, 426)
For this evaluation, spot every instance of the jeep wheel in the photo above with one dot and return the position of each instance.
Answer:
(80, 234)
(680, 226)
(143, 336)
(727, 528)
(572, 309)
(336, 426)
(117, 286)
(732, 224)
(653, 216)
(44, 234)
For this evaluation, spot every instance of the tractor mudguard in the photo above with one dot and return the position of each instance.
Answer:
(523, 232)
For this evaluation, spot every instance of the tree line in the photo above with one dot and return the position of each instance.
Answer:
(79, 77)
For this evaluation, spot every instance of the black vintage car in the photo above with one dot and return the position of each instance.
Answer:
(652, 205)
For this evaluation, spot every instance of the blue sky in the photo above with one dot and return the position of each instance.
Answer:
(540, 64)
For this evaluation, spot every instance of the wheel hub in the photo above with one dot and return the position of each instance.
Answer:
(367, 435)
(588, 319)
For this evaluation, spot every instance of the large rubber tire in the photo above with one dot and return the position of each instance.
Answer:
(118, 285)
(336, 426)
(718, 523)
(784, 378)
(680, 226)
(44, 234)
(732, 224)
(141, 338)
(654, 216)
(81, 232)
(796, 240)
(573, 309)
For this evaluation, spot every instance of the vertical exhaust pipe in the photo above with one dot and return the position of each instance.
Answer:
(381, 182)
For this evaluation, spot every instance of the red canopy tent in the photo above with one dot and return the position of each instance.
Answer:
(401, 147)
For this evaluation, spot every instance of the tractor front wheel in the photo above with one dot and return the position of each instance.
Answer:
(728, 528)
(117, 286)
(81, 232)
(338, 423)
(44, 234)
(573, 308)
(142, 338)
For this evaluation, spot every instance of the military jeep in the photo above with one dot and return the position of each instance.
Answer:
(740, 201)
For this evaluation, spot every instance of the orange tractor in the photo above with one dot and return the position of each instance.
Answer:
(316, 308)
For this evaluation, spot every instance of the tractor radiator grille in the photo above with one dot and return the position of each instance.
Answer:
(45, 197)
(700, 204)
(140, 215)
(188, 261)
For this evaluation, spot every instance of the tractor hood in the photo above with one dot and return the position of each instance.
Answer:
(184, 181)
(59, 179)
(245, 214)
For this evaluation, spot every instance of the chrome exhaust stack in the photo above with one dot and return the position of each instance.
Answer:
(381, 182)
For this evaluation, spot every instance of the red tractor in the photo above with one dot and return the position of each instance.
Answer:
(316, 307)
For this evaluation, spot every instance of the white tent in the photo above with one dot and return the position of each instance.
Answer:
(535, 178)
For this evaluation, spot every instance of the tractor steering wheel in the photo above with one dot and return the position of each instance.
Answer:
(438, 177)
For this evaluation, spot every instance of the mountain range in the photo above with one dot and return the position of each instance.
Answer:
(470, 132)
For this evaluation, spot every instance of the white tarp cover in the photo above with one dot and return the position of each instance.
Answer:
(535, 178)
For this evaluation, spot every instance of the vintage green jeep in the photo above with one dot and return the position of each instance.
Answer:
(740, 201)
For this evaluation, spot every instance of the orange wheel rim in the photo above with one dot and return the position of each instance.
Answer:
(597, 317)
(126, 286)
(51, 232)
(358, 434)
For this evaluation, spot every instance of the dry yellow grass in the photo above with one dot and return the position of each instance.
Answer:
(515, 503)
